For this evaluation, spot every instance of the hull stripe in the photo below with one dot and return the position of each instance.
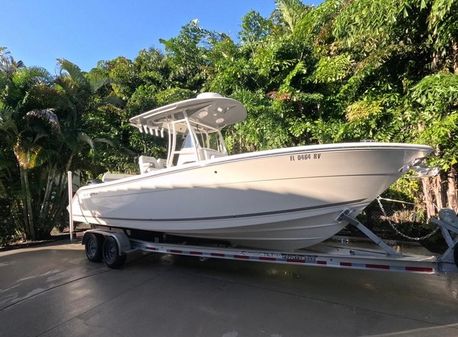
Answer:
(223, 217)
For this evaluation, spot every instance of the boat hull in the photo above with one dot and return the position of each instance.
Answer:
(280, 199)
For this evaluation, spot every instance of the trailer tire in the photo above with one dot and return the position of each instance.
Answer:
(111, 254)
(93, 247)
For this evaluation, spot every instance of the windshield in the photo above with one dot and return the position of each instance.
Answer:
(210, 141)
(187, 143)
(205, 140)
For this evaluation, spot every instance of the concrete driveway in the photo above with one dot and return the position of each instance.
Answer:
(55, 291)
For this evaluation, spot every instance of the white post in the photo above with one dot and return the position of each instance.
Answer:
(70, 197)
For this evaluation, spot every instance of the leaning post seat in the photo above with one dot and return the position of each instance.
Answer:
(148, 164)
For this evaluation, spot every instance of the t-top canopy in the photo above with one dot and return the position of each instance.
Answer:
(209, 109)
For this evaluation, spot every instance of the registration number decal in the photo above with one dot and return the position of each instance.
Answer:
(305, 156)
(300, 258)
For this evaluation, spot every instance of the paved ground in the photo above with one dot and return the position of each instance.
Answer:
(54, 291)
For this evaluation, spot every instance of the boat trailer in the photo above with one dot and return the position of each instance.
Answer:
(111, 245)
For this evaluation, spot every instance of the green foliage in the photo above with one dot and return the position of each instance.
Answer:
(171, 95)
(188, 55)
(142, 99)
(436, 94)
(8, 232)
(277, 57)
(255, 28)
(333, 69)
(362, 110)
(40, 145)
(434, 109)
(316, 25)
(123, 77)
(443, 30)
(291, 12)
(263, 129)
(366, 25)
(232, 69)
(152, 67)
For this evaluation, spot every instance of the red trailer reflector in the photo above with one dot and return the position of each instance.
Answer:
(217, 254)
(243, 257)
(266, 258)
(377, 266)
(420, 269)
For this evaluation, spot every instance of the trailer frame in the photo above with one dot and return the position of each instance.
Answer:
(117, 243)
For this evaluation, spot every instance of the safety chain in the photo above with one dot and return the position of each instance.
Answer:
(427, 236)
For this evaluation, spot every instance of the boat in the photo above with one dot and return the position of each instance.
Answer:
(287, 198)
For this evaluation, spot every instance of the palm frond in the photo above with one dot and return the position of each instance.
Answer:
(27, 155)
(84, 138)
(73, 71)
(46, 115)
(104, 140)
(97, 80)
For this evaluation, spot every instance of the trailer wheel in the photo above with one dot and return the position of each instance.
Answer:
(93, 247)
(111, 255)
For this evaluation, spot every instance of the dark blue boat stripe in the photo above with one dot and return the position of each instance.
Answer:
(230, 216)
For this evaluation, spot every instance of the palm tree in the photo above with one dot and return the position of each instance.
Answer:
(41, 120)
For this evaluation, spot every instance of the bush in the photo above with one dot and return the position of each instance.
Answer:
(8, 231)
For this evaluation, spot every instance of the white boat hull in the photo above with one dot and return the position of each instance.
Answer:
(279, 199)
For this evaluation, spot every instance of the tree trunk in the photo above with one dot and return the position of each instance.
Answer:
(69, 163)
(427, 196)
(440, 191)
(61, 201)
(437, 190)
(28, 204)
(455, 57)
(19, 221)
(45, 202)
(452, 195)
(23, 208)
